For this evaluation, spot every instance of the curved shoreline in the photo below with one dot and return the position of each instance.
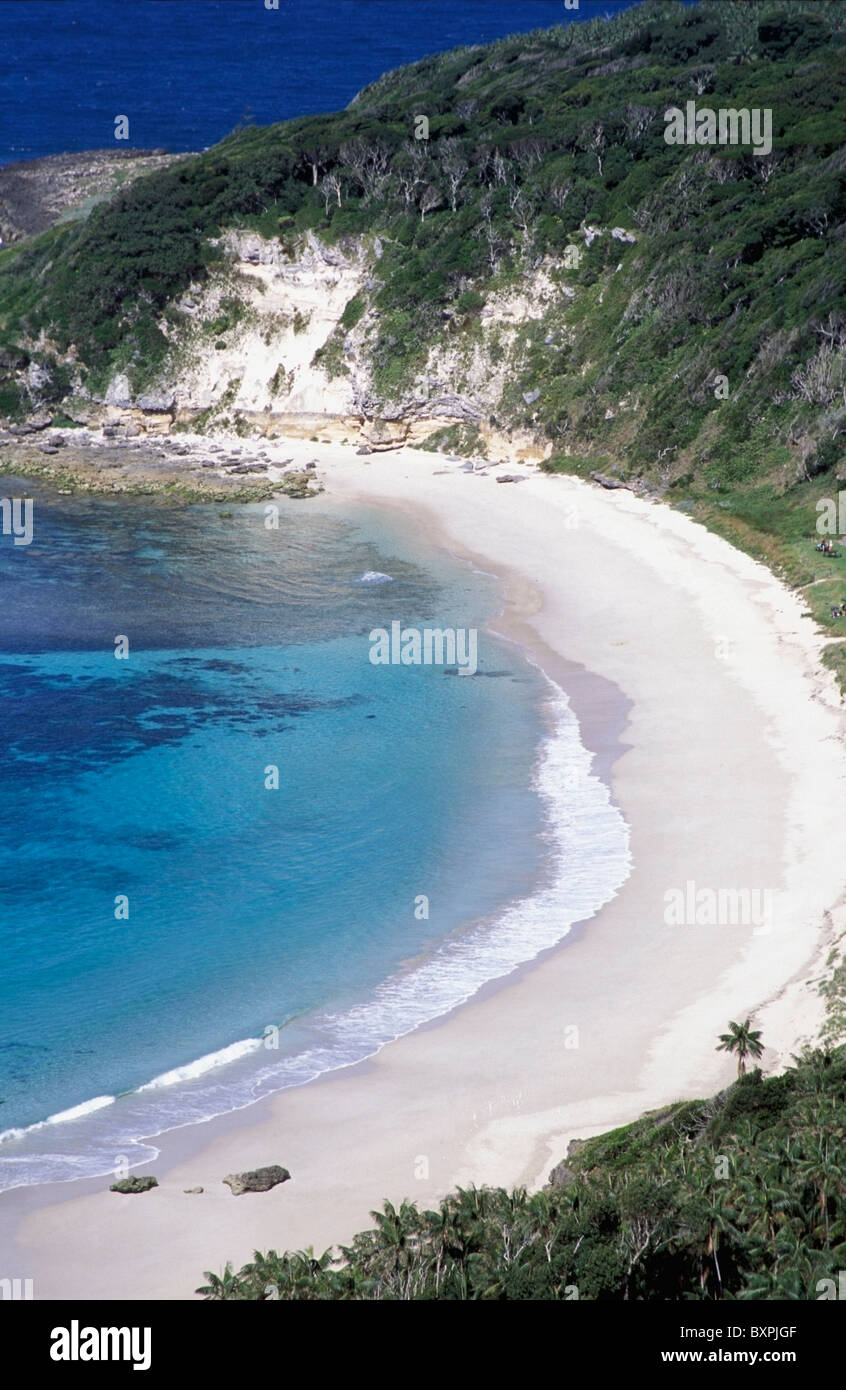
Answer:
(476, 958)
(79, 1141)
(720, 785)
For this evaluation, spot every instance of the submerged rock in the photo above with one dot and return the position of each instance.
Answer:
(133, 1184)
(258, 1180)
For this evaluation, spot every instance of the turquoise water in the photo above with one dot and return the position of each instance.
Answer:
(411, 851)
(181, 936)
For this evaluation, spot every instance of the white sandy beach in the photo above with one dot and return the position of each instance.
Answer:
(734, 777)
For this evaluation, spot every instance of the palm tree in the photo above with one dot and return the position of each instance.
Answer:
(821, 1170)
(743, 1040)
(219, 1287)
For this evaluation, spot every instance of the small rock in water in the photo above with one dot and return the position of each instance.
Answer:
(257, 1180)
(133, 1184)
(191, 1190)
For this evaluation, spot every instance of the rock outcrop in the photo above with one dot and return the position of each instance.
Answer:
(561, 1176)
(258, 1180)
(134, 1184)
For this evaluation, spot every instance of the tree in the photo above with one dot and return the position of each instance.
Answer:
(412, 166)
(455, 165)
(492, 236)
(430, 199)
(331, 187)
(367, 163)
(743, 1040)
(219, 1287)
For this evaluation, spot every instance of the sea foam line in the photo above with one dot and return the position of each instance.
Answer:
(192, 1070)
(589, 859)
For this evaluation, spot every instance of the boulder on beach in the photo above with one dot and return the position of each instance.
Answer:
(119, 392)
(258, 1180)
(605, 481)
(134, 1184)
(158, 402)
(384, 434)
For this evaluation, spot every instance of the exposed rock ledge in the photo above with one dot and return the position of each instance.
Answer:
(134, 1184)
(258, 1180)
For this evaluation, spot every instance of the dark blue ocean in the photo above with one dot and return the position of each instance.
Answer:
(178, 935)
(186, 72)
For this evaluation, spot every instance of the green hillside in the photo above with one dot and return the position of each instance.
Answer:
(742, 1196)
(697, 346)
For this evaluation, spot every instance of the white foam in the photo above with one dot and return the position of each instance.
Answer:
(202, 1065)
(76, 1112)
(589, 861)
(590, 856)
(374, 577)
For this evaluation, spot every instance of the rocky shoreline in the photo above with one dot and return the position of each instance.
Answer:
(183, 467)
(37, 193)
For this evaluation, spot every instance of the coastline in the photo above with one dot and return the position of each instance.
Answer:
(490, 1093)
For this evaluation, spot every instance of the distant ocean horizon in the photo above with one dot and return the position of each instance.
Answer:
(427, 834)
(187, 72)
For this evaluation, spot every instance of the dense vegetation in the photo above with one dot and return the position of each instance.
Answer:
(742, 1196)
(738, 268)
(700, 351)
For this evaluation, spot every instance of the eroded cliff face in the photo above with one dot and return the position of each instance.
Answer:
(251, 339)
(279, 345)
(260, 348)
